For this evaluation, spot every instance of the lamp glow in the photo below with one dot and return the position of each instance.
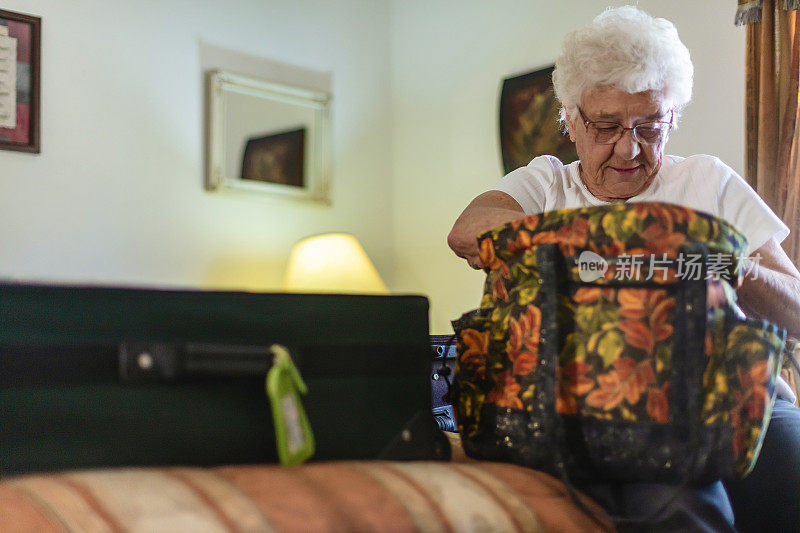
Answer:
(333, 262)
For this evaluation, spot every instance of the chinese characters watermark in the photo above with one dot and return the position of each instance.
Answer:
(716, 266)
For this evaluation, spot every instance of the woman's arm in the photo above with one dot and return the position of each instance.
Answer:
(771, 288)
(487, 211)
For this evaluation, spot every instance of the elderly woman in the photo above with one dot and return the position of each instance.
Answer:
(622, 82)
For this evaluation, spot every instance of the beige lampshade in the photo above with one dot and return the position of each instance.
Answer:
(333, 262)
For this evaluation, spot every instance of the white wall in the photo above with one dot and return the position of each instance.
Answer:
(116, 196)
(448, 60)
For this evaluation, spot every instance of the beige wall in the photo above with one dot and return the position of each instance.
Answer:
(116, 195)
(448, 60)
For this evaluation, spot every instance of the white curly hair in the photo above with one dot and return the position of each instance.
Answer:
(626, 48)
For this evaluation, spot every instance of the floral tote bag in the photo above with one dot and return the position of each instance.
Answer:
(608, 343)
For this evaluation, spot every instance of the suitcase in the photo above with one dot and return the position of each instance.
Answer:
(100, 377)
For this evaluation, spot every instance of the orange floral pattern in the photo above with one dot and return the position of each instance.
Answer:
(523, 341)
(658, 403)
(506, 392)
(751, 402)
(522, 242)
(615, 341)
(573, 236)
(627, 381)
(572, 381)
(486, 254)
(587, 295)
(659, 241)
(653, 305)
(474, 347)
(499, 291)
(667, 214)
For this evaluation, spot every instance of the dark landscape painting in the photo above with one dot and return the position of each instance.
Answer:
(275, 158)
(529, 121)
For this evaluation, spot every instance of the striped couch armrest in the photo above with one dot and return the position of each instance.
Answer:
(335, 496)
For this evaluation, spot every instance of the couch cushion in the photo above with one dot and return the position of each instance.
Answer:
(336, 496)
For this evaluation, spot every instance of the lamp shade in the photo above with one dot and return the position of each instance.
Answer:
(333, 262)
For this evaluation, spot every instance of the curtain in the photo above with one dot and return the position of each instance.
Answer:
(772, 112)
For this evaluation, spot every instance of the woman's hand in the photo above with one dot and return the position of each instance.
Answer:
(487, 211)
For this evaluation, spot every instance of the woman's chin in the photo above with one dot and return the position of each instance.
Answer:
(624, 191)
(626, 185)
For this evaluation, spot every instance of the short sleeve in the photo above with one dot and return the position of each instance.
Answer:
(741, 205)
(528, 185)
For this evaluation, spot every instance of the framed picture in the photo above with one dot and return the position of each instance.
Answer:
(529, 121)
(20, 49)
(275, 158)
(267, 138)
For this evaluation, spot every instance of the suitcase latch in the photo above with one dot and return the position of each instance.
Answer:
(148, 362)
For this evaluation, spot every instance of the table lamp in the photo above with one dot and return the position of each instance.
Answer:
(332, 262)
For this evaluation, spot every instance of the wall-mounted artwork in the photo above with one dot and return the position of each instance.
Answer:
(267, 138)
(275, 158)
(20, 48)
(529, 121)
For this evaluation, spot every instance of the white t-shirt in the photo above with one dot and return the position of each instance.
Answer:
(701, 182)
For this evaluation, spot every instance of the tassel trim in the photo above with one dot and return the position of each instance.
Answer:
(750, 12)
(789, 5)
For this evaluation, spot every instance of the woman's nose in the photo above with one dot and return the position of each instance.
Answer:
(627, 147)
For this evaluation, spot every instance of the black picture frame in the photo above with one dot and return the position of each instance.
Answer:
(529, 120)
(27, 31)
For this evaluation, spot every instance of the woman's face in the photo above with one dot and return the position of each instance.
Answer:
(626, 168)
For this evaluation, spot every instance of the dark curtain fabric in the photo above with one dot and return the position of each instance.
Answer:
(750, 11)
(773, 117)
(772, 113)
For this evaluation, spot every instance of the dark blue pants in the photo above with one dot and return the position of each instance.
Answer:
(660, 508)
(768, 499)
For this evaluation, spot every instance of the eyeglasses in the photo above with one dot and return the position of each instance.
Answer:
(644, 133)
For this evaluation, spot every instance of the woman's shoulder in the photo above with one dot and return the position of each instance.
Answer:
(703, 162)
(697, 167)
(539, 172)
(543, 172)
(540, 185)
(548, 165)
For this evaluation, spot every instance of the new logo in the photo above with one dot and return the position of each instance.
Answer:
(591, 266)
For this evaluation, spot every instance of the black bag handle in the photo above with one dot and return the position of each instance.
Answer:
(552, 269)
(551, 277)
